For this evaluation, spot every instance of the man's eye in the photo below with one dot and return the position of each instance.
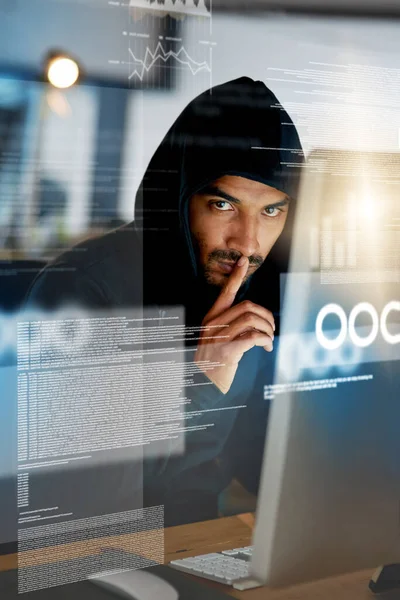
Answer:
(221, 205)
(272, 211)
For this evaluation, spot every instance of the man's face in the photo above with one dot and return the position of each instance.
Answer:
(235, 217)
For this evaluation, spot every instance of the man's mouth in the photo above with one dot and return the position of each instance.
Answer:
(226, 267)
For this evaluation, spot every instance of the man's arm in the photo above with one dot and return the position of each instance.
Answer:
(244, 326)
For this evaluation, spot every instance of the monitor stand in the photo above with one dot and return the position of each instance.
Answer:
(385, 579)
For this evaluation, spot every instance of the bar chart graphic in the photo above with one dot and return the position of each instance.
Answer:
(173, 7)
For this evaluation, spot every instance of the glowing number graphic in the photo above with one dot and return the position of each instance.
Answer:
(361, 342)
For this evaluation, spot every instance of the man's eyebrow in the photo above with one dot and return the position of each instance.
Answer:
(286, 200)
(213, 190)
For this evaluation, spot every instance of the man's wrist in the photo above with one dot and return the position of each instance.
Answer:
(211, 374)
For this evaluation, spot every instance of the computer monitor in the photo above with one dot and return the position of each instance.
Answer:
(330, 485)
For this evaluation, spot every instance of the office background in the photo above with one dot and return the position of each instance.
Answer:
(71, 160)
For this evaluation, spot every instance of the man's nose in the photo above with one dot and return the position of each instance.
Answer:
(243, 236)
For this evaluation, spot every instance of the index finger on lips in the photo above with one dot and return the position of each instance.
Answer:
(230, 289)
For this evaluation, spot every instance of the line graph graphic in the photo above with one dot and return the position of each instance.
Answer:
(177, 7)
(160, 55)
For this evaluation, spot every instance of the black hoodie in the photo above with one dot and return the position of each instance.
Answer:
(238, 128)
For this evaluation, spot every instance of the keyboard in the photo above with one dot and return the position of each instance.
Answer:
(228, 566)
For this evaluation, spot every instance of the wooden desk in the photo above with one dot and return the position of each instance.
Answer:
(231, 532)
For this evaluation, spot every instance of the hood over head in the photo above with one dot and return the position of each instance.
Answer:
(237, 128)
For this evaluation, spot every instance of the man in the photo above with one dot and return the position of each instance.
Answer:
(213, 217)
(234, 223)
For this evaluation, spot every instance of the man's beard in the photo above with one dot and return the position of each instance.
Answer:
(206, 290)
(228, 256)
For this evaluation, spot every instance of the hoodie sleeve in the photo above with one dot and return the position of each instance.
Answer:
(208, 421)
(212, 439)
(55, 288)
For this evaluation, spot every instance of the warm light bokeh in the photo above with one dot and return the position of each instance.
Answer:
(63, 72)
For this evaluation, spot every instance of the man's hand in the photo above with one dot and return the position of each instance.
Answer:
(229, 331)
